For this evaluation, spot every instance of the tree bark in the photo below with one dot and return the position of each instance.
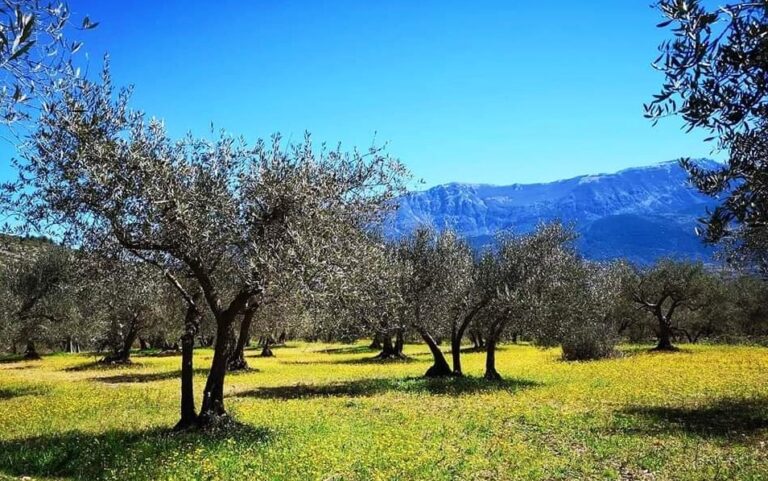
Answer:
(212, 410)
(457, 334)
(188, 418)
(491, 373)
(123, 354)
(267, 351)
(143, 345)
(387, 348)
(376, 342)
(399, 343)
(665, 336)
(440, 366)
(456, 355)
(237, 362)
(30, 353)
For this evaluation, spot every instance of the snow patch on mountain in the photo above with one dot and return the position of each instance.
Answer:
(641, 213)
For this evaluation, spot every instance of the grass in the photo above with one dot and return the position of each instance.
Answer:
(329, 412)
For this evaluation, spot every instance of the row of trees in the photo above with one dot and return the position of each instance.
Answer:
(428, 285)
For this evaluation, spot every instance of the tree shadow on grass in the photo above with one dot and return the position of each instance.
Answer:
(12, 359)
(731, 418)
(363, 360)
(102, 366)
(14, 392)
(371, 387)
(356, 349)
(145, 376)
(85, 456)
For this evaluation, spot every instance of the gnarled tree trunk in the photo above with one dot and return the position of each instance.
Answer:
(123, 353)
(237, 362)
(212, 410)
(266, 351)
(440, 366)
(664, 335)
(390, 350)
(30, 353)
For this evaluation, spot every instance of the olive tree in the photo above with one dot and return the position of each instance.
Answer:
(472, 286)
(130, 298)
(526, 265)
(667, 288)
(714, 67)
(40, 298)
(576, 309)
(423, 283)
(232, 215)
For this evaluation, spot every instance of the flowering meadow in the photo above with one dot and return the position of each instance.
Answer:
(331, 412)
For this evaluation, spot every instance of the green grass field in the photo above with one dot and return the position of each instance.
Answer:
(328, 412)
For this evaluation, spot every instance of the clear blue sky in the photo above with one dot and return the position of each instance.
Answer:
(487, 91)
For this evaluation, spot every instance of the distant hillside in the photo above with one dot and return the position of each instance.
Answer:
(14, 248)
(639, 213)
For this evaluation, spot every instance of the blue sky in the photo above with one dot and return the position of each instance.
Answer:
(486, 91)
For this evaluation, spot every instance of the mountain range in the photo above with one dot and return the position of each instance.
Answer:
(641, 213)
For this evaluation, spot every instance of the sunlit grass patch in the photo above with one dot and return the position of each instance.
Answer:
(318, 411)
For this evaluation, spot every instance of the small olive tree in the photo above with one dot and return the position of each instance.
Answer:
(576, 309)
(527, 265)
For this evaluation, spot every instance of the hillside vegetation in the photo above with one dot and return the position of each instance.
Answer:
(327, 412)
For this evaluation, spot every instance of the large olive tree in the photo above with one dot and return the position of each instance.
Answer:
(231, 215)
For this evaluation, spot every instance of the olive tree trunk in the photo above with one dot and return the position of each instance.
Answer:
(188, 418)
(30, 353)
(491, 373)
(212, 410)
(440, 366)
(237, 362)
(664, 335)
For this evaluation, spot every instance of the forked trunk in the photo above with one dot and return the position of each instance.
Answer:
(212, 410)
(376, 342)
(387, 348)
(238, 362)
(123, 353)
(457, 334)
